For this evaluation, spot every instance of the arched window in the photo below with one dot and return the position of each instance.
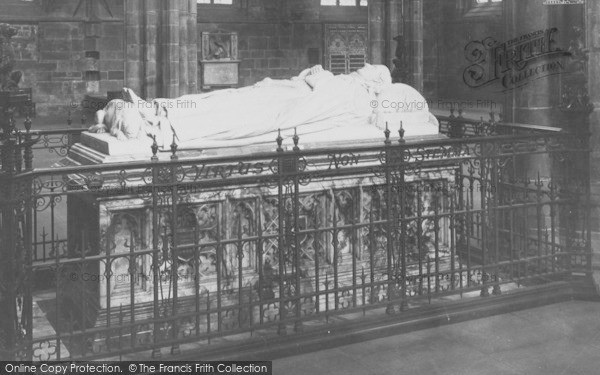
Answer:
(345, 47)
(344, 3)
(216, 2)
(483, 8)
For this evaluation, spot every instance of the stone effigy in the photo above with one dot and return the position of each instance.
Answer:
(315, 104)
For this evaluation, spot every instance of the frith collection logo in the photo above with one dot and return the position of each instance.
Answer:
(563, 2)
(514, 63)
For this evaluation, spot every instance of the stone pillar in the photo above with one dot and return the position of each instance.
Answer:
(414, 42)
(190, 79)
(161, 47)
(377, 34)
(537, 102)
(141, 20)
(393, 21)
(593, 44)
(385, 24)
(133, 45)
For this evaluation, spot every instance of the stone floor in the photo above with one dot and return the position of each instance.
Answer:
(42, 328)
(555, 339)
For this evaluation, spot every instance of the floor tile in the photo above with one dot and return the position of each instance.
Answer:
(330, 361)
(559, 339)
(501, 333)
(586, 363)
(550, 357)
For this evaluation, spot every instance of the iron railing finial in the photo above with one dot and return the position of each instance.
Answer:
(401, 133)
(387, 134)
(173, 148)
(154, 148)
(296, 139)
(279, 141)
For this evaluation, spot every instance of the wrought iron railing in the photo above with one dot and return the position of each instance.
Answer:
(150, 256)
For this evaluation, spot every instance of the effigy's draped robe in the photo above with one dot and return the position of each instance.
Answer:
(252, 112)
(318, 106)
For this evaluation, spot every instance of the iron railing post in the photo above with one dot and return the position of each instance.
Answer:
(281, 243)
(296, 212)
(389, 221)
(401, 159)
(494, 216)
(12, 282)
(582, 137)
(27, 314)
(174, 244)
(483, 178)
(156, 277)
(587, 202)
(8, 305)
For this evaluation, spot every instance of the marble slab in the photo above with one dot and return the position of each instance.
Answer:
(109, 145)
(101, 148)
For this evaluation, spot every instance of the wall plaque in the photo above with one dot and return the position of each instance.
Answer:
(219, 60)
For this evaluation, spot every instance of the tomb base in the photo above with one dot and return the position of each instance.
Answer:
(216, 255)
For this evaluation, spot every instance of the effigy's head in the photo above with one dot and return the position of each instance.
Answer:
(376, 74)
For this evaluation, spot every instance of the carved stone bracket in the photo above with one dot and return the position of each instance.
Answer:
(575, 99)
(578, 51)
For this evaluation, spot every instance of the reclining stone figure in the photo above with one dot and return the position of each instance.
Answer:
(312, 102)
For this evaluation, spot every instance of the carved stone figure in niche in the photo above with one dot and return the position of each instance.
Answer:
(268, 283)
(9, 79)
(123, 236)
(218, 47)
(344, 204)
(206, 217)
(311, 213)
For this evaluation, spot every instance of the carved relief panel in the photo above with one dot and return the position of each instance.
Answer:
(219, 60)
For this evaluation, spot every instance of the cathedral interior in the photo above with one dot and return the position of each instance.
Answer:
(204, 178)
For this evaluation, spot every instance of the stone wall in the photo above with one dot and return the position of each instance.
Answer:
(432, 46)
(274, 36)
(271, 49)
(66, 70)
(63, 56)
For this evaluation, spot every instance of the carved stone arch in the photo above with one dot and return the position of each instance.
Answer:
(123, 236)
(244, 216)
(207, 217)
(121, 222)
(243, 223)
(345, 213)
(187, 226)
